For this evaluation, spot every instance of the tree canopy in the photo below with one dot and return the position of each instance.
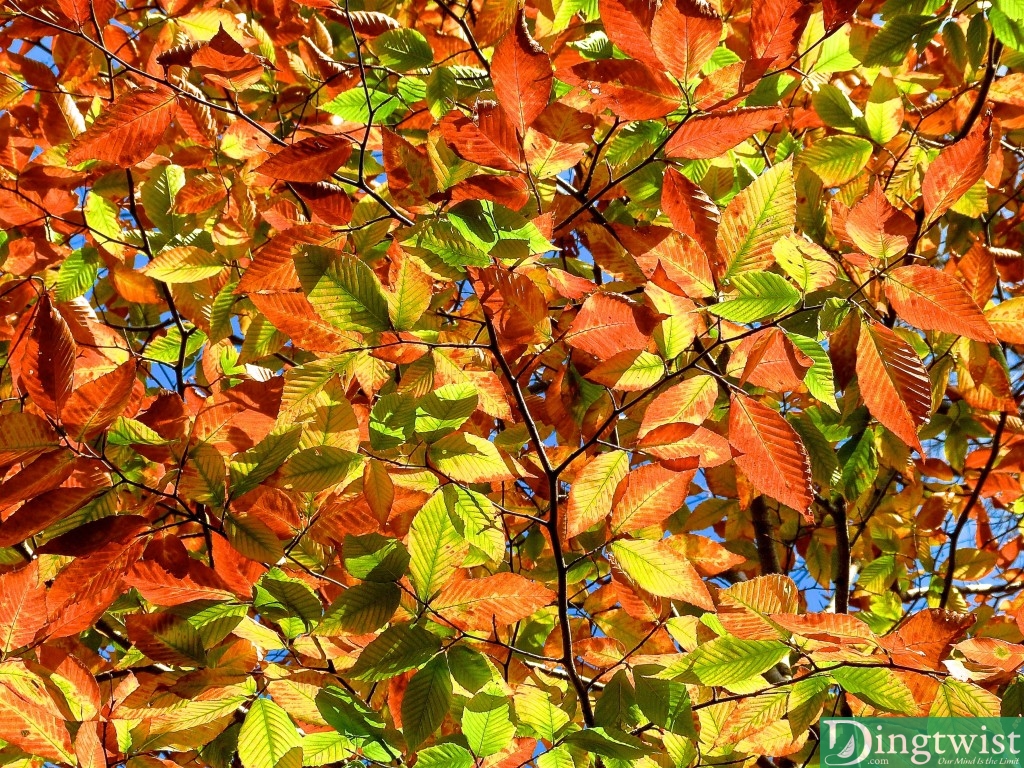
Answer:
(464, 384)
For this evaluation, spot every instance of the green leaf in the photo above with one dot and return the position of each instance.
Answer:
(442, 240)
(435, 546)
(410, 295)
(348, 715)
(877, 686)
(837, 109)
(487, 723)
(956, 698)
(324, 466)
(444, 756)
(445, 409)
(610, 743)
(498, 231)
(77, 274)
(396, 650)
(167, 348)
(468, 459)
(251, 468)
(354, 105)
(281, 597)
(125, 431)
(402, 49)
(426, 701)
(756, 218)
(661, 570)
(536, 709)
(253, 538)
(373, 557)
(730, 660)
(158, 193)
(837, 159)
(819, 378)
(392, 420)
(361, 609)
(343, 290)
(268, 738)
(1007, 29)
(761, 295)
(184, 264)
(891, 44)
(883, 113)
(326, 747)
(666, 703)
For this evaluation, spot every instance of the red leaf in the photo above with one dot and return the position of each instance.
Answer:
(924, 640)
(93, 406)
(957, 168)
(936, 301)
(770, 360)
(80, 12)
(489, 140)
(44, 474)
(685, 33)
(47, 358)
(684, 261)
(43, 511)
(893, 383)
(775, 28)
(502, 599)
(22, 607)
(628, 24)
(693, 213)
(771, 454)
(629, 88)
(712, 135)
(225, 62)
(521, 72)
(128, 130)
(606, 325)
(327, 203)
(838, 12)
(310, 160)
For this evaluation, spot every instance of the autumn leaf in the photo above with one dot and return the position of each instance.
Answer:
(893, 382)
(957, 168)
(711, 135)
(936, 301)
(309, 160)
(522, 75)
(502, 599)
(771, 454)
(128, 130)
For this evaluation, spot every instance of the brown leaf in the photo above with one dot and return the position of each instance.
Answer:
(685, 33)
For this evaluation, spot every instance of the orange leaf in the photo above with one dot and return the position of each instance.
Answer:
(128, 130)
(1007, 319)
(310, 160)
(684, 446)
(936, 301)
(606, 325)
(42, 512)
(893, 383)
(924, 640)
(693, 213)
(689, 402)
(44, 474)
(489, 140)
(957, 168)
(647, 496)
(24, 435)
(876, 227)
(22, 606)
(31, 726)
(521, 72)
(771, 454)
(47, 358)
(685, 33)
(628, 24)
(825, 627)
(775, 28)
(93, 406)
(502, 599)
(712, 135)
